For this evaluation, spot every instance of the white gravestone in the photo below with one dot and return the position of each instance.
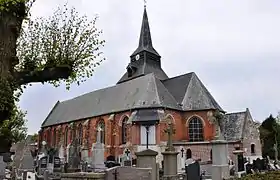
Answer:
(67, 152)
(61, 154)
(98, 153)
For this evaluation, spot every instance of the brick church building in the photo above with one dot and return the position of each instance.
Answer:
(135, 112)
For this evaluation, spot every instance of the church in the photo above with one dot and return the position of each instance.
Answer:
(134, 113)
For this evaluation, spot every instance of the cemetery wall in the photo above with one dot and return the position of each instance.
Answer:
(83, 176)
(128, 173)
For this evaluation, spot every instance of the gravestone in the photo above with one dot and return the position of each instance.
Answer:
(2, 168)
(61, 154)
(127, 160)
(67, 153)
(98, 153)
(56, 163)
(42, 165)
(240, 162)
(74, 157)
(84, 154)
(193, 171)
(259, 164)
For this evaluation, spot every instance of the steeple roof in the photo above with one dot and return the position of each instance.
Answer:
(145, 40)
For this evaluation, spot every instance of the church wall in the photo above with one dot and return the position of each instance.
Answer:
(113, 130)
(251, 136)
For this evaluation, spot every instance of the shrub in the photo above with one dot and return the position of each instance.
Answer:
(272, 175)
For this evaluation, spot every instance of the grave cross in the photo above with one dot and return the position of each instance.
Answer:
(147, 137)
(127, 152)
(182, 152)
(170, 131)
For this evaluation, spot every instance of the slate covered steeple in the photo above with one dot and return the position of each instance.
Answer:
(145, 40)
(145, 59)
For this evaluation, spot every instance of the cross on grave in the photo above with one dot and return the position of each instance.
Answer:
(127, 152)
(147, 137)
(182, 152)
(170, 131)
(115, 173)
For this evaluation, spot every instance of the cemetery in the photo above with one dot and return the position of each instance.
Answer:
(50, 163)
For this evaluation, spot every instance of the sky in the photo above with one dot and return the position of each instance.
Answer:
(233, 46)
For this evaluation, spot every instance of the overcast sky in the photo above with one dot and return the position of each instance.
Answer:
(233, 46)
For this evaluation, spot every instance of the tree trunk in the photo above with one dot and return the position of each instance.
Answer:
(10, 25)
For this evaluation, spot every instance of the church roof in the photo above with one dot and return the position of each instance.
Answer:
(147, 87)
(140, 93)
(234, 124)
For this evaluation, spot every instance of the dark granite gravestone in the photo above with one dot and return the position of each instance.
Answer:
(249, 168)
(43, 162)
(193, 171)
(240, 161)
(258, 164)
(56, 163)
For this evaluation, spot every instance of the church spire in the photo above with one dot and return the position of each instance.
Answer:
(145, 40)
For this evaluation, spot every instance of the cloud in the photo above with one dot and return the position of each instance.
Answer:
(233, 46)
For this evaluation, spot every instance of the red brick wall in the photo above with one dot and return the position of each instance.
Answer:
(113, 130)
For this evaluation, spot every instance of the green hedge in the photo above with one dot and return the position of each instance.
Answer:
(273, 175)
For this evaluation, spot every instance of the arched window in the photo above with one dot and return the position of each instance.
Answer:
(124, 130)
(253, 149)
(195, 129)
(66, 136)
(80, 134)
(54, 138)
(189, 154)
(101, 126)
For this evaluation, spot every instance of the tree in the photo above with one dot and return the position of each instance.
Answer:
(63, 48)
(13, 130)
(270, 135)
(35, 137)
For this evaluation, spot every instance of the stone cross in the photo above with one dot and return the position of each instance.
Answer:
(170, 131)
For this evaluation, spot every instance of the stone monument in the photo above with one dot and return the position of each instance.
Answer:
(147, 159)
(170, 155)
(220, 167)
(98, 153)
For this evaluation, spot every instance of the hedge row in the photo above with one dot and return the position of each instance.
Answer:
(272, 175)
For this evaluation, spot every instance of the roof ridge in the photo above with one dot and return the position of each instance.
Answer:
(179, 76)
(238, 112)
(186, 92)
(156, 88)
(165, 89)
